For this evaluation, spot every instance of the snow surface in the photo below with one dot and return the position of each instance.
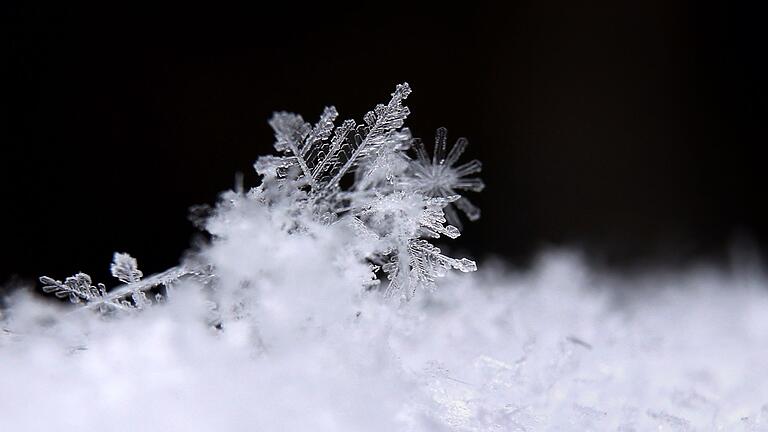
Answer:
(559, 347)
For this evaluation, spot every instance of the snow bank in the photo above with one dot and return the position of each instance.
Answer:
(556, 348)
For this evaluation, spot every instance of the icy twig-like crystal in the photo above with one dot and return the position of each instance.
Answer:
(392, 204)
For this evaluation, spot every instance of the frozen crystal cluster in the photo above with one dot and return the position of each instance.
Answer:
(359, 175)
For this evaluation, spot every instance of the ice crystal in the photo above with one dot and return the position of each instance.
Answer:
(323, 161)
(438, 177)
(79, 288)
(400, 220)
(125, 268)
(353, 174)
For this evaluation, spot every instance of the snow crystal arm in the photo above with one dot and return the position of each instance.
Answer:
(414, 262)
(471, 167)
(290, 132)
(322, 130)
(362, 231)
(274, 166)
(421, 152)
(80, 288)
(382, 122)
(469, 209)
(429, 258)
(77, 288)
(432, 220)
(327, 157)
(165, 278)
(420, 266)
(456, 151)
(125, 268)
(441, 137)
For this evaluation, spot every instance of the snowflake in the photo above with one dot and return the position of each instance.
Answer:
(438, 177)
(354, 173)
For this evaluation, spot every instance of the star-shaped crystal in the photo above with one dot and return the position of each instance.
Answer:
(438, 177)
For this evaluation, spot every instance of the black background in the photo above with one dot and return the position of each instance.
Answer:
(633, 130)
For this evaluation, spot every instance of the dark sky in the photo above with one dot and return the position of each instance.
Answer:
(631, 129)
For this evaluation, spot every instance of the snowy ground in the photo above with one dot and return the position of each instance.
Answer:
(559, 348)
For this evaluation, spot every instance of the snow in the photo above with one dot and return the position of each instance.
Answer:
(560, 347)
(282, 323)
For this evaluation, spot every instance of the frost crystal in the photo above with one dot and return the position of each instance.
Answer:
(322, 161)
(77, 288)
(353, 175)
(437, 176)
(125, 268)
